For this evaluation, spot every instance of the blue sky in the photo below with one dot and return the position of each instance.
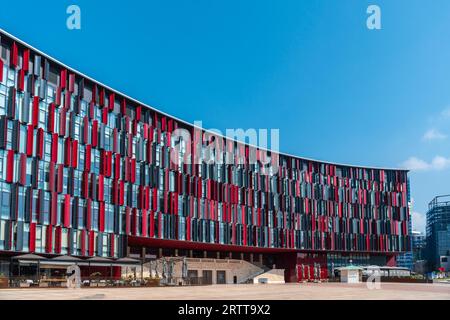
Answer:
(336, 90)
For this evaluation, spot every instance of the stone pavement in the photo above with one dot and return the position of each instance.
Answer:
(322, 291)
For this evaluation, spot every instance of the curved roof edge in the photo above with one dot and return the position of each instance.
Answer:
(25, 44)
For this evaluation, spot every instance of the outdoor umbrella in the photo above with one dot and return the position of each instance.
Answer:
(31, 258)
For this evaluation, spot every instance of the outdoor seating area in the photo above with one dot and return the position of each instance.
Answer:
(35, 271)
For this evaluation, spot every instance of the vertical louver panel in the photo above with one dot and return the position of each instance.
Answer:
(66, 220)
(75, 154)
(32, 237)
(14, 59)
(35, 112)
(30, 140)
(54, 152)
(87, 163)
(58, 239)
(11, 111)
(94, 137)
(63, 79)
(23, 169)
(37, 65)
(81, 88)
(67, 152)
(51, 118)
(10, 166)
(101, 218)
(62, 123)
(101, 97)
(123, 107)
(91, 243)
(71, 83)
(40, 143)
(21, 81)
(49, 240)
(112, 99)
(46, 70)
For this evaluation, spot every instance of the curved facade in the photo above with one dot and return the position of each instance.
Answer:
(87, 171)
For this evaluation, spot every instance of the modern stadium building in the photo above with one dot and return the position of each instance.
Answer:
(86, 171)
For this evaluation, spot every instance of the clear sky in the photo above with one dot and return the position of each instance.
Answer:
(336, 90)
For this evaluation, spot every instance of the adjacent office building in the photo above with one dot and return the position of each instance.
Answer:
(87, 171)
(438, 231)
(418, 245)
(406, 260)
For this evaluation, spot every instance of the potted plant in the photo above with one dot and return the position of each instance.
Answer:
(152, 282)
(95, 279)
(3, 281)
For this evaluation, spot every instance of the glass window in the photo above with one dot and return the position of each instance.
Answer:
(5, 201)
(2, 234)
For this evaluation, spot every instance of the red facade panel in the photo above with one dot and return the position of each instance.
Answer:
(94, 138)
(66, 221)
(91, 243)
(21, 81)
(32, 238)
(26, 60)
(30, 140)
(49, 239)
(71, 83)
(101, 216)
(63, 79)
(75, 154)
(51, 118)
(87, 162)
(10, 166)
(35, 112)
(54, 152)
(14, 60)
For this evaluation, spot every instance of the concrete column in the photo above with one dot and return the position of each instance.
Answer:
(143, 252)
(160, 253)
(218, 255)
(261, 258)
(191, 253)
(242, 256)
(176, 252)
(128, 251)
(205, 254)
(251, 257)
(230, 255)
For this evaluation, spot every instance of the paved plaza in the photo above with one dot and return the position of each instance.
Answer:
(325, 291)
